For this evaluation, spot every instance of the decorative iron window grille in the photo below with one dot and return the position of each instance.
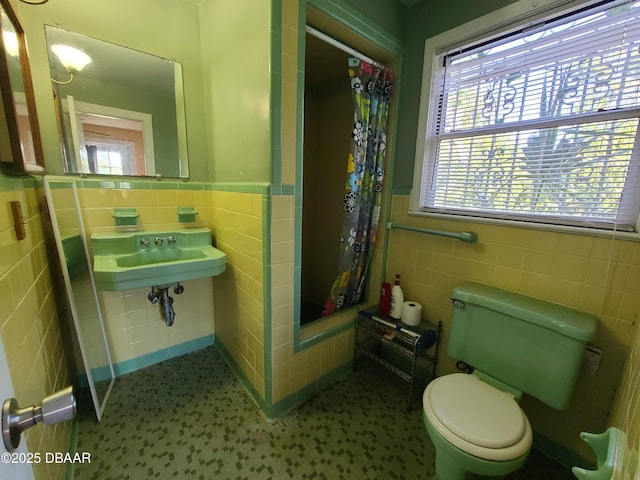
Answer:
(541, 125)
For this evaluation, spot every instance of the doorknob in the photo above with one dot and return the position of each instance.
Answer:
(57, 407)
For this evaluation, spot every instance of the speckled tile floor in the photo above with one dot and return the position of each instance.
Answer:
(189, 417)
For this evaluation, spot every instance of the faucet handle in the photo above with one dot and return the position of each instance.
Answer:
(171, 240)
(144, 242)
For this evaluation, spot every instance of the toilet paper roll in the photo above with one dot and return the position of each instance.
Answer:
(411, 313)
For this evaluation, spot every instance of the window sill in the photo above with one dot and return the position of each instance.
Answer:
(592, 232)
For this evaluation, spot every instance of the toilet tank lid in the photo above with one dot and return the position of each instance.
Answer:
(564, 320)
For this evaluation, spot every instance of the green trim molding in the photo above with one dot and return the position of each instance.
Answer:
(248, 187)
(565, 457)
(138, 363)
(272, 411)
(266, 298)
(16, 183)
(111, 183)
(330, 332)
(344, 13)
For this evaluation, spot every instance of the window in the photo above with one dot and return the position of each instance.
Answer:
(110, 158)
(540, 124)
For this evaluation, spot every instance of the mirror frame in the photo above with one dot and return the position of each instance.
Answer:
(9, 134)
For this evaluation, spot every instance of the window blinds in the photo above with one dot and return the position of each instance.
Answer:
(541, 125)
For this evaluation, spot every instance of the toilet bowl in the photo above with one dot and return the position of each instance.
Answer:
(477, 429)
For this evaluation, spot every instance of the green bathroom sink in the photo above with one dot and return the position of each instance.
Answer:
(123, 261)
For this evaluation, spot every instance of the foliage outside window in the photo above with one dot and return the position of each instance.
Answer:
(541, 124)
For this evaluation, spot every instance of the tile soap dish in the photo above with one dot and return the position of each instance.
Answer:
(126, 218)
(187, 214)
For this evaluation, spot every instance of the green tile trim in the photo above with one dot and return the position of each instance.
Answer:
(240, 187)
(363, 26)
(261, 188)
(283, 189)
(193, 186)
(60, 184)
(163, 186)
(141, 184)
(561, 454)
(297, 191)
(322, 336)
(84, 183)
(128, 366)
(288, 190)
(121, 184)
(277, 409)
(16, 183)
(251, 390)
(308, 391)
(266, 296)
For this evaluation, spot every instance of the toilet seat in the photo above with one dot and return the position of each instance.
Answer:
(477, 418)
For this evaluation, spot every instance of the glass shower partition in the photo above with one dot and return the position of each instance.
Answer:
(75, 264)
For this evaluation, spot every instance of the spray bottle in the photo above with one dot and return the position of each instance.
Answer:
(397, 299)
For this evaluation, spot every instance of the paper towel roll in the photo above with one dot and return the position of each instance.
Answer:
(411, 313)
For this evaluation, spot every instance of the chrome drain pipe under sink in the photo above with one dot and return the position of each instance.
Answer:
(161, 294)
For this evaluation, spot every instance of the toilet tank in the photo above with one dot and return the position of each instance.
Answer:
(532, 345)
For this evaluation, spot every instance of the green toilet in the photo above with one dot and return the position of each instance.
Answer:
(516, 344)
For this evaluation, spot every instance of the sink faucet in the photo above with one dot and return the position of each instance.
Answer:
(158, 241)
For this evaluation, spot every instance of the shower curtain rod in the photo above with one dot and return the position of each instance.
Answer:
(342, 46)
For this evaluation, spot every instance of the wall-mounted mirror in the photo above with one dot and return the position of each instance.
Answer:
(20, 147)
(121, 111)
(75, 263)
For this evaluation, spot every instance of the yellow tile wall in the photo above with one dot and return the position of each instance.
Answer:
(236, 222)
(134, 326)
(294, 371)
(626, 412)
(65, 211)
(597, 275)
(29, 323)
(157, 208)
(291, 372)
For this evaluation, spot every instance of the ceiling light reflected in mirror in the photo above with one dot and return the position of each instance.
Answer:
(71, 58)
(10, 40)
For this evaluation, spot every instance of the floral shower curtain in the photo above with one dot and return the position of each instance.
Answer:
(371, 88)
